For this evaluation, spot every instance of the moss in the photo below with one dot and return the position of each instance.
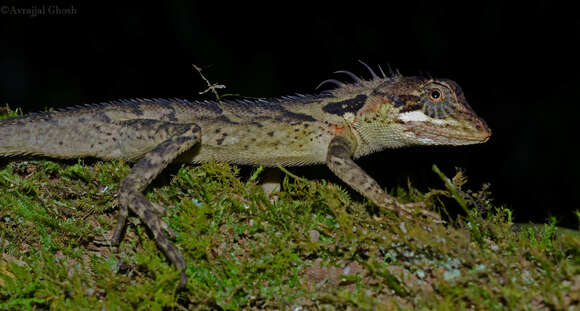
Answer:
(313, 247)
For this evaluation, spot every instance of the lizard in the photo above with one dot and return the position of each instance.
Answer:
(333, 127)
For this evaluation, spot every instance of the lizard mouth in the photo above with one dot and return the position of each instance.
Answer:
(483, 132)
(466, 139)
(477, 134)
(486, 137)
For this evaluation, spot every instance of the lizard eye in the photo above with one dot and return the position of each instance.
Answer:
(436, 104)
(435, 95)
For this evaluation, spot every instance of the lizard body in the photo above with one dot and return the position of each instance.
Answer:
(333, 127)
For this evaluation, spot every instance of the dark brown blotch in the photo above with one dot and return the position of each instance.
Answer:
(137, 110)
(183, 139)
(350, 105)
(170, 116)
(408, 103)
(227, 120)
(258, 124)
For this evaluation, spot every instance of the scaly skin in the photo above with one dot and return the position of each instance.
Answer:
(333, 127)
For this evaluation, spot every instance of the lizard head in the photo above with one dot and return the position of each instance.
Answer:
(430, 111)
(400, 111)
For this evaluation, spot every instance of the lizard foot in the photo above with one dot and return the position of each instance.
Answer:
(162, 212)
(407, 210)
(124, 213)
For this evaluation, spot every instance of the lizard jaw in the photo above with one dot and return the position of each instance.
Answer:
(424, 130)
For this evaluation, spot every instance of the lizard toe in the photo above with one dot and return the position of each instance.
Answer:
(418, 208)
(160, 210)
(168, 229)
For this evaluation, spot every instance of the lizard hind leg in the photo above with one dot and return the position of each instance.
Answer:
(184, 137)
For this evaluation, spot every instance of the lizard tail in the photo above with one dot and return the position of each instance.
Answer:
(53, 134)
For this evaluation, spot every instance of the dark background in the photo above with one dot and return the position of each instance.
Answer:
(519, 66)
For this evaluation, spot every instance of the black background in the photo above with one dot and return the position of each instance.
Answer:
(517, 63)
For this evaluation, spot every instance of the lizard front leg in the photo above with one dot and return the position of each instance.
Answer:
(339, 161)
(184, 137)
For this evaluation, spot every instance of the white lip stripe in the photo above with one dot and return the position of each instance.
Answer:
(416, 116)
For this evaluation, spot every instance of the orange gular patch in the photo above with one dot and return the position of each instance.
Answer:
(337, 129)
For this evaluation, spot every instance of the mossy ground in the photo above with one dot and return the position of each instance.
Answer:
(312, 248)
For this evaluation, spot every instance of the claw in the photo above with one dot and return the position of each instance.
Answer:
(159, 209)
(121, 221)
(162, 212)
(167, 229)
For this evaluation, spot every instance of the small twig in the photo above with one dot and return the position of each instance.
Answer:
(210, 87)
